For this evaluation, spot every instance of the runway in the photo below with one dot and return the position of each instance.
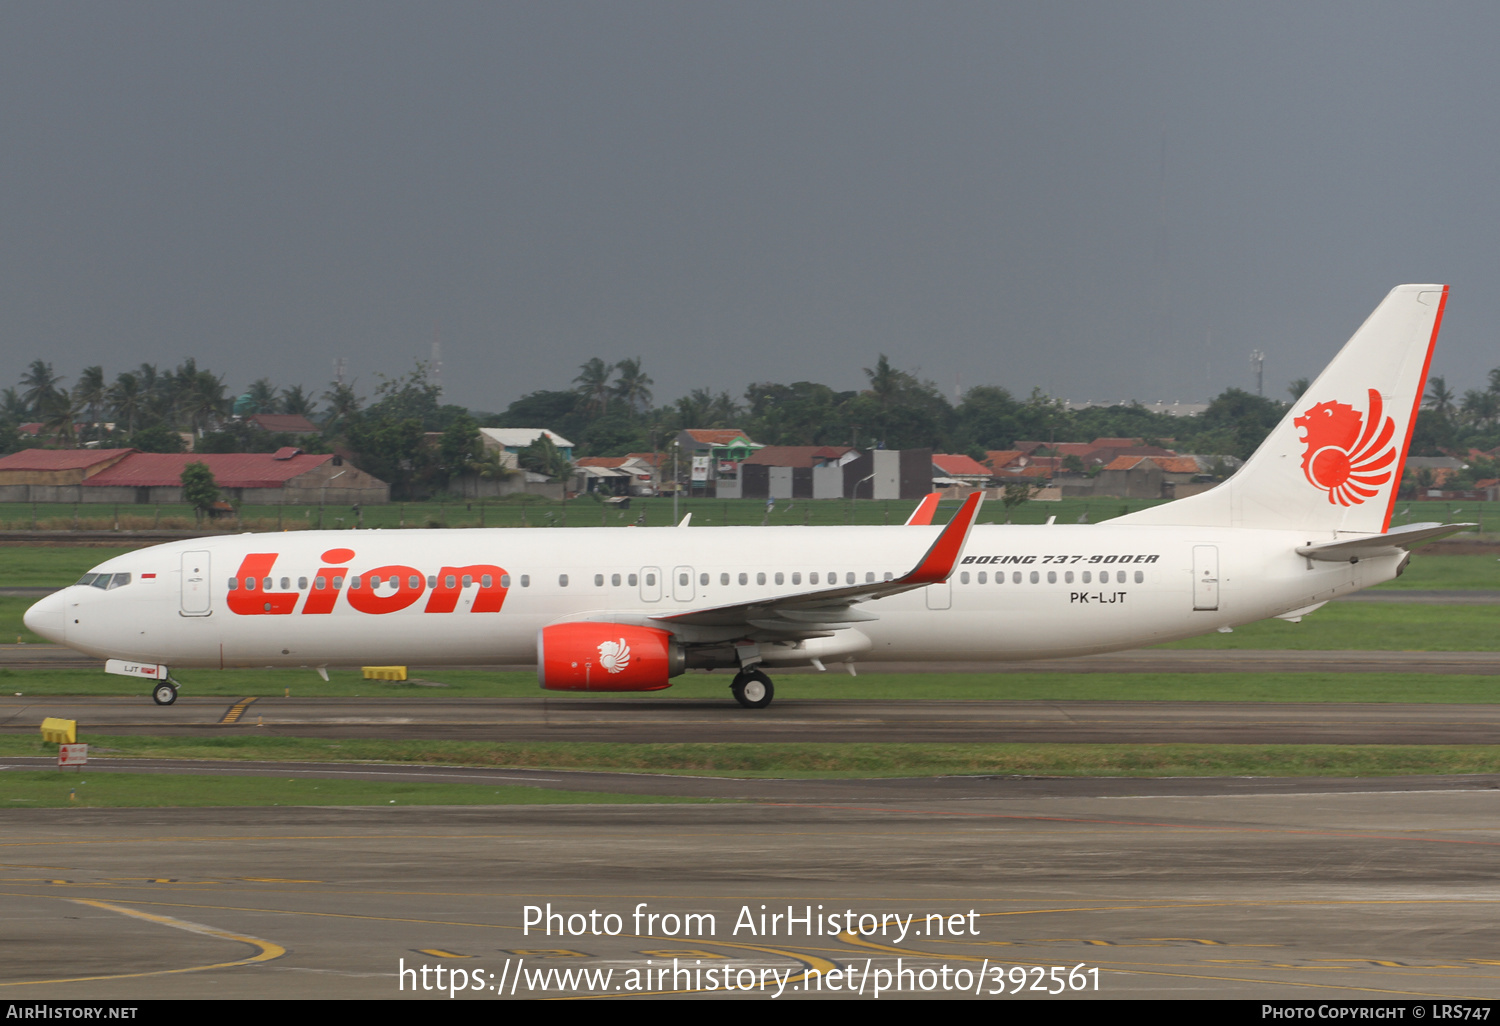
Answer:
(1315, 895)
(571, 718)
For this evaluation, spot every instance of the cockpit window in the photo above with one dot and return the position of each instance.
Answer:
(101, 581)
(120, 580)
(87, 579)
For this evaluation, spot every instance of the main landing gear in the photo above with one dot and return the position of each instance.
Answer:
(165, 693)
(752, 689)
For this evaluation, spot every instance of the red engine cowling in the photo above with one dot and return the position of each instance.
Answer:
(606, 657)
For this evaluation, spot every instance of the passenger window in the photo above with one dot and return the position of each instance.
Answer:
(702, 580)
(1035, 577)
(744, 578)
(983, 577)
(1068, 577)
(414, 582)
(432, 580)
(632, 580)
(870, 577)
(888, 575)
(392, 582)
(760, 578)
(249, 583)
(1140, 577)
(1051, 576)
(525, 580)
(598, 580)
(450, 581)
(354, 582)
(285, 583)
(562, 580)
(812, 578)
(849, 577)
(797, 577)
(469, 580)
(234, 583)
(1087, 577)
(504, 581)
(684, 579)
(963, 578)
(302, 584)
(1015, 578)
(614, 580)
(650, 580)
(723, 578)
(320, 583)
(338, 582)
(780, 577)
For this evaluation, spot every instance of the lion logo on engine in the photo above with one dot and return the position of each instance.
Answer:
(614, 656)
(1348, 454)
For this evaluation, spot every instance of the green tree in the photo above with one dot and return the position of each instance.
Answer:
(199, 489)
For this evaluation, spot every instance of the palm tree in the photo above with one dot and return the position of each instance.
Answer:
(126, 398)
(89, 394)
(204, 401)
(262, 396)
(593, 385)
(343, 403)
(40, 382)
(634, 387)
(1440, 398)
(294, 400)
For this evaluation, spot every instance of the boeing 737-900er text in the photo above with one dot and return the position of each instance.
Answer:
(1305, 520)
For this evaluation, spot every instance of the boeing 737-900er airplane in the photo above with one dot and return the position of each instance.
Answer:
(1305, 520)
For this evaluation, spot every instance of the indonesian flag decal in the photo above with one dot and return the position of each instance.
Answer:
(1349, 454)
(614, 656)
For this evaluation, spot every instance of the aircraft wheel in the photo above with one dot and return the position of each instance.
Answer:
(752, 689)
(164, 694)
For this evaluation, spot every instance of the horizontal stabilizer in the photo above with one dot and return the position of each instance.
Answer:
(1379, 544)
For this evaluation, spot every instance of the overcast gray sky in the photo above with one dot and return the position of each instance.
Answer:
(1110, 201)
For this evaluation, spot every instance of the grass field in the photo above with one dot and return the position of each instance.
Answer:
(55, 789)
(793, 760)
(534, 511)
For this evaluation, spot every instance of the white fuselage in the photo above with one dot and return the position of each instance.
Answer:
(1066, 590)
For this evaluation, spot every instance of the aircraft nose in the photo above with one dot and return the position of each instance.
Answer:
(48, 617)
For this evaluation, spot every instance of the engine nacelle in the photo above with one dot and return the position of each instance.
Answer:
(606, 657)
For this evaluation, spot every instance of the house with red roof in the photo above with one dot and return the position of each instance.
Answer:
(126, 476)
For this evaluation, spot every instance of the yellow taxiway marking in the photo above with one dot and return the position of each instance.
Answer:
(236, 710)
(267, 950)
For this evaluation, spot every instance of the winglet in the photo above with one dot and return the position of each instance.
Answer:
(941, 558)
(922, 515)
(686, 520)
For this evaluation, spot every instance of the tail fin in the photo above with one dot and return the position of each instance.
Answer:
(1334, 462)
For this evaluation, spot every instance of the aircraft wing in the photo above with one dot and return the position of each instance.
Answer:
(812, 614)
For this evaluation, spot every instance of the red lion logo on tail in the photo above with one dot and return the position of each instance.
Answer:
(1347, 456)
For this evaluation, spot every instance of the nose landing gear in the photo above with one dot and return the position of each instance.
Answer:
(164, 693)
(752, 688)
